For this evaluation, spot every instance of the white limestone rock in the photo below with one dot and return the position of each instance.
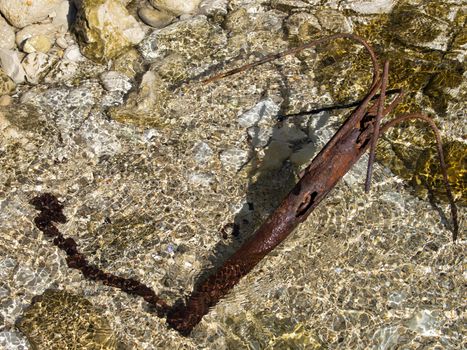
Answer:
(177, 7)
(10, 61)
(65, 13)
(211, 7)
(36, 65)
(73, 54)
(369, 7)
(7, 35)
(21, 13)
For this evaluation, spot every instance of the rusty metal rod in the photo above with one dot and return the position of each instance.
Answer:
(327, 168)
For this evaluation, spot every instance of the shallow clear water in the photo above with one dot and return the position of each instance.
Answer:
(148, 197)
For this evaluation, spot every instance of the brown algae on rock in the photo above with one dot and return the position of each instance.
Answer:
(61, 320)
(106, 29)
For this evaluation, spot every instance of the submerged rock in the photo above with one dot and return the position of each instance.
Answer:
(106, 29)
(13, 340)
(234, 158)
(60, 320)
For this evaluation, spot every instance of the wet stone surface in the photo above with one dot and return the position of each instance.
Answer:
(162, 177)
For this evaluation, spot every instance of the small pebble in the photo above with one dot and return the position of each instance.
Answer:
(202, 152)
(39, 43)
(115, 81)
(73, 54)
(155, 18)
(177, 7)
(62, 42)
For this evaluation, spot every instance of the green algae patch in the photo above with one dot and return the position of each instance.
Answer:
(428, 172)
(412, 26)
(59, 320)
(265, 331)
(421, 167)
(447, 79)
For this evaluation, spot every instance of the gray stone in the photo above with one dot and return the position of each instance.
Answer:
(200, 179)
(7, 35)
(234, 158)
(425, 323)
(260, 136)
(202, 152)
(265, 109)
(12, 340)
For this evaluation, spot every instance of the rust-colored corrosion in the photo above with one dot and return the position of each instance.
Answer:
(359, 132)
